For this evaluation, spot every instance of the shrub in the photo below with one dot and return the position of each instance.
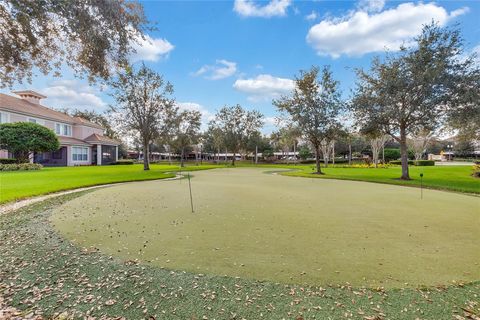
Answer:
(476, 170)
(304, 153)
(419, 163)
(124, 162)
(7, 160)
(392, 154)
(20, 166)
(423, 163)
(23, 138)
(399, 162)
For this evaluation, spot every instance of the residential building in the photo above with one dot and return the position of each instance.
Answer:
(81, 142)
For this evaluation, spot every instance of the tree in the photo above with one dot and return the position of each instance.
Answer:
(237, 125)
(89, 36)
(415, 88)
(287, 138)
(313, 107)
(23, 138)
(256, 143)
(98, 118)
(377, 143)
(213, 140)
(142, 105)
(186, 131)
(326, 146)
(304, 153)
(419, 142)
(463, 147)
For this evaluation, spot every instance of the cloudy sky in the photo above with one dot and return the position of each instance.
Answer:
(247, 52)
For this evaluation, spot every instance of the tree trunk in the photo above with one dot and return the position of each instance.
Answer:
(383, 154)
(146, 152)
(256, 155)
(22, 156)
(349, 154)
(333, 153)
(317, 160)
(233, 158)
(182, 155)
(404, 154)
(294, 153)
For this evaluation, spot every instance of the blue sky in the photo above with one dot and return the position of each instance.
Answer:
(227, 52)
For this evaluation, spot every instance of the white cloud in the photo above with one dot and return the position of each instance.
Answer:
(264, 87)
(459, 12)
(222, 69)
(371, 5)
(206, 114)
(248, 8)
(312, 16)
(361, 32)
(72, 94)
(151, 49)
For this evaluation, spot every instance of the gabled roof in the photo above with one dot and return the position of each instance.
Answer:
(98, 139)
(72, 141)
(83, 121)
(23, 106)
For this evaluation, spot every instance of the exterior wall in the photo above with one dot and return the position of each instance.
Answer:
(14, 117)
(78, 131)
(50, 125)
(81, 132)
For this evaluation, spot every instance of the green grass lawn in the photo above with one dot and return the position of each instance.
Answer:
(42, 273)
(16, 185)
(452, 178)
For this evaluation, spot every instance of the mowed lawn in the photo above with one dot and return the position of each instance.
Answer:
(452, 178)
(16, 185)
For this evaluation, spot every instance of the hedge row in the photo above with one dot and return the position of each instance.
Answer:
(419, 163)
(7, 160)
(20, 166)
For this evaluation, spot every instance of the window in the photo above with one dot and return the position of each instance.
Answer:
(108, 154)
(79, 154)
(63, 129)
(32, 120)
(3, 117)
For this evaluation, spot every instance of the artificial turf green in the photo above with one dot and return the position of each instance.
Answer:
(41, 273)
(16, 185)
(270, 227)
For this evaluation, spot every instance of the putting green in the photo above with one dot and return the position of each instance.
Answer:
(283, 229)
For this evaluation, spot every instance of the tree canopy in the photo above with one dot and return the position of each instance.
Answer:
(186, 131)
(237, 125)
(23, 138)
(143, 105)
(91, 37)
(415, 89)
(314, 107)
